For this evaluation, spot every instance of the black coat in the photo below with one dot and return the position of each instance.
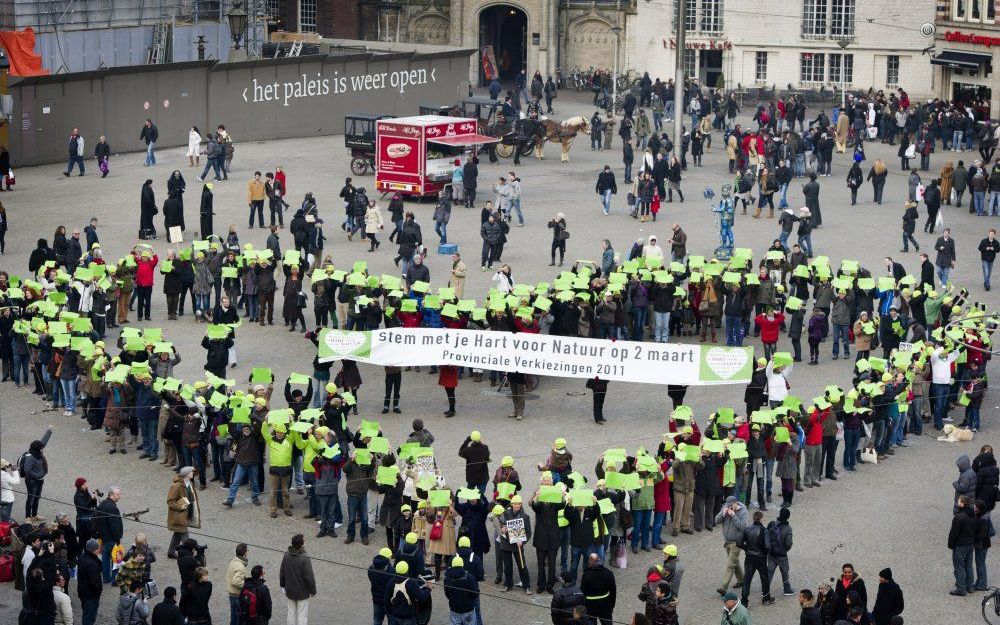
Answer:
(987, 479)
(167, 612)
(963, 529)
(206, 213)
(147, 207)
(546, 534)
(173, 212)
(888, 602)
(108, 525)
(89, 584)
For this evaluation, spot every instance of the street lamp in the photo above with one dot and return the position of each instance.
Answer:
(617, 30)
(237, 18)
(843, 42)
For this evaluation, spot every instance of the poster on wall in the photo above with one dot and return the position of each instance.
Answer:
(489, 63)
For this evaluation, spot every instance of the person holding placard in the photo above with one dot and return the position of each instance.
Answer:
(358, 477)
(514, 531)
(686, 466)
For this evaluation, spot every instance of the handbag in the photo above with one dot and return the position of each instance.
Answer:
(872, 132)
(563, 234)
(840, 431)
(869, 455)
(621, 556)
(911, 151)
(437, 530)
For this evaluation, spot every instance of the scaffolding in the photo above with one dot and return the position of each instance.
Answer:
(62, 15)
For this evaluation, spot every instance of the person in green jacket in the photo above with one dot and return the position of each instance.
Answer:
(279, 453)
(643, 501)
(734, 612)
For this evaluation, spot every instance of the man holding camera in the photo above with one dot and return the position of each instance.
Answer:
(109, 528)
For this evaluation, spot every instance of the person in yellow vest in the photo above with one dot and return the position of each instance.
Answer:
(279, 455)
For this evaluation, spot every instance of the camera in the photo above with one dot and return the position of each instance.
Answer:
(98, 492)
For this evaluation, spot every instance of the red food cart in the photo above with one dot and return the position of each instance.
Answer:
(416, 155)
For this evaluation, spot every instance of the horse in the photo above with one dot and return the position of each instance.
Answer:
(562, 133)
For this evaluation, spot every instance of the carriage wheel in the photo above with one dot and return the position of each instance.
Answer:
(505, 150)
(359, 166)
(527, 148)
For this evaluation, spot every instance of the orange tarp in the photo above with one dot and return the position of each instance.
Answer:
(20, 49)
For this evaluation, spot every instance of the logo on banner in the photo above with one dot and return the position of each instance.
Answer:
(346, 344)
(720, 364)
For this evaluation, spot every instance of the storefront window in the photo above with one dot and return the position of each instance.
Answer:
(892, 70)
(841, 68)
(760, 66)
(691, 63)
(811, 67)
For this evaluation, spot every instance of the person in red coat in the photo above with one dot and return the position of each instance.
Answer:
(770, 326)
(145, 262)
(448, 378)
(661, 503)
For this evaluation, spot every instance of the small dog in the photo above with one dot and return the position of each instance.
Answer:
(954, 434)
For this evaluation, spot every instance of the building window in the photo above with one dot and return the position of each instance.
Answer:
(958, 7)
(760, 66)
(841, 68)
(307, 16)
(974, 13)
(691, 63)
(892, 70)
(991, 12)
(811, 67)
(814, 19)
(841, 18)
(711, 16)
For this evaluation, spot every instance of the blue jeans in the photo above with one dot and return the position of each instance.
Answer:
(641, 527)
(69, 393)
(961, 561)
(661, 327)
(784, 239)
(461, 619)
(994, 203)
(657, 121)
(89, 607)
(150, 442)
(840, 334)
(805, 242)
(329, 510)
(659, 520)
(378, 613)
(563, 548)
(942, 274)
(150, 157)
(734, 331)
(979, 202)
(75, 159)
(768, 474)
(253, 306)
(201, 302)
(606, 201)
(234, 610)
(800, 164)
(987, 272)
(20, 371)
(896, 420)
(515, 206)
(248, 471)
(972, 416)
(193, 458)
(851, 440)
(5, 509)
(357, 505)
(310, 481)
(956, 139)
(638, 322)
(441, 229)
(783, 202)
(981, 579)
(106, 548)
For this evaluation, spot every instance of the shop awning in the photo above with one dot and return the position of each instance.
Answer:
(466, 139)
(961, 60)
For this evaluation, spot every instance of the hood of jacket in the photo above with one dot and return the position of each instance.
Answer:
(963, 463)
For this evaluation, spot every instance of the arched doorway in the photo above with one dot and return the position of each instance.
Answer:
(505, 29)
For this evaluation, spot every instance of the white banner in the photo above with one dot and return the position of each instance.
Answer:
(542, 354)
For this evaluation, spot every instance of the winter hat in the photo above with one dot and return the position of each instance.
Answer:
(730, 499)
(385, 552)
(411, 538)
(497, 510)
(475, 437)
(457, 561)
(516, 499)
(730, 596)
(80, 481)
(670, 550)
(405, 508)
(560, 443)
(92, 545)
(507, 461)
(464, 542)
(886, 573)
(186, 472)
(402, 568)
(784, 514)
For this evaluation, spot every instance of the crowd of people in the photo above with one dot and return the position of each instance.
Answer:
(722, 469)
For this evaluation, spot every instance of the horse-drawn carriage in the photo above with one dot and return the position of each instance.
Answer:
(359, 137)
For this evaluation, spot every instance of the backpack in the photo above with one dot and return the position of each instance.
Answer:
(20, 462)
(248, 605)
(778, 542)
(399, 599)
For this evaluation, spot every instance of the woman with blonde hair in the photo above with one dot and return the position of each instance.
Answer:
(877, 176)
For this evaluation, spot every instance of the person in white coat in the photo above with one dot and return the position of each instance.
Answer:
(777, 383)
(64, 607)
(9, 478)
(194, 145)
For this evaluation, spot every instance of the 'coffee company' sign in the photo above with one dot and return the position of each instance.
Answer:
(956, 36)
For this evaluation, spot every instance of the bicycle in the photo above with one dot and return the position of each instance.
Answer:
(991, 606)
